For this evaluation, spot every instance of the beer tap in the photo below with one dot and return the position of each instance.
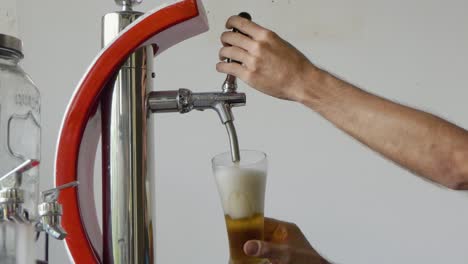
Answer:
(184, 100)
(117, 83)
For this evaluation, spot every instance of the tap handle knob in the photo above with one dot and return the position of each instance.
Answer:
(18, 171)
(246, 16)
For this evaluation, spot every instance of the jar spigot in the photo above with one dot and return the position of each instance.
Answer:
(12, 198)
(50, 212)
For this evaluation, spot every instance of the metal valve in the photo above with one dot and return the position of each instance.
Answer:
(50, 212)
(127, 5)
(12, 198)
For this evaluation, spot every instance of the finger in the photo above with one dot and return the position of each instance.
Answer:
(231, 68)
(275, 231)
(233, 53)
(229, 38)
(245, 26)
(260, 249)
(271, 224)
(280, 235)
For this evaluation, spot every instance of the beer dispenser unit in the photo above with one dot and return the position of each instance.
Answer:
(115, 99)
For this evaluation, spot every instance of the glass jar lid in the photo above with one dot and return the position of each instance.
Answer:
(11, 45)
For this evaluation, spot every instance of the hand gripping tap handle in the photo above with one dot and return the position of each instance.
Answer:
(246, 16)
(230, 84)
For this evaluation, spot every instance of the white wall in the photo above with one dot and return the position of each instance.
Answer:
(354, 206)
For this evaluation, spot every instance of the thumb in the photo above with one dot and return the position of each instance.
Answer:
(261, 249)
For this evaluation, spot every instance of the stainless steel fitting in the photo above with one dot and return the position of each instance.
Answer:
(50, 212)
(184, 101)
(11, 206)
(12, 197)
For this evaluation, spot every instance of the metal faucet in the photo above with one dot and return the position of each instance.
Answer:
(50, 212)
(184, 100)
(12, 198)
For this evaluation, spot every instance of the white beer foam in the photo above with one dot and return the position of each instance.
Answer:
(242, 191)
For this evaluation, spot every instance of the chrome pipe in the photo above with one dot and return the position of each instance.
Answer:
(127, 187)
(233, 141)
(184, 101)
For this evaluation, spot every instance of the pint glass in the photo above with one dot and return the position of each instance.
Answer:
(241, 187)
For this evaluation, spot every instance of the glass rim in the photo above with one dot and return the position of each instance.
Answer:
(263, 157)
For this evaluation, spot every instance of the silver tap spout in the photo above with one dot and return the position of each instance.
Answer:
(11, 204)
(233, 141)
(50, 212)
(56, 232)
(12, 197)
(184, 101)
(50, 220)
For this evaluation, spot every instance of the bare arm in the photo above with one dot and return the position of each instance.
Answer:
(423, 143)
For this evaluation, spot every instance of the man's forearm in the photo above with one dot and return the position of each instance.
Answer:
(421, 142)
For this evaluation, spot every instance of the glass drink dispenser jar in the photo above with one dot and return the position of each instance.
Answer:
(19, 155)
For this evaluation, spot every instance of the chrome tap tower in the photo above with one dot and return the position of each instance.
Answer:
(126, 105)
(127, 187)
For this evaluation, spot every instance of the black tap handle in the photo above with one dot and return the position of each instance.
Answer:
(246, 16)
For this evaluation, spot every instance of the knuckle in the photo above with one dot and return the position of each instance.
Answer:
(224, 35)
(267, 34)
(230, 20)
(257, 47)
(249, 76)
(255, 63)
(227, 50)
(243, 22)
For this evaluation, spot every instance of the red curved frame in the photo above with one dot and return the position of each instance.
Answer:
(163, 27)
